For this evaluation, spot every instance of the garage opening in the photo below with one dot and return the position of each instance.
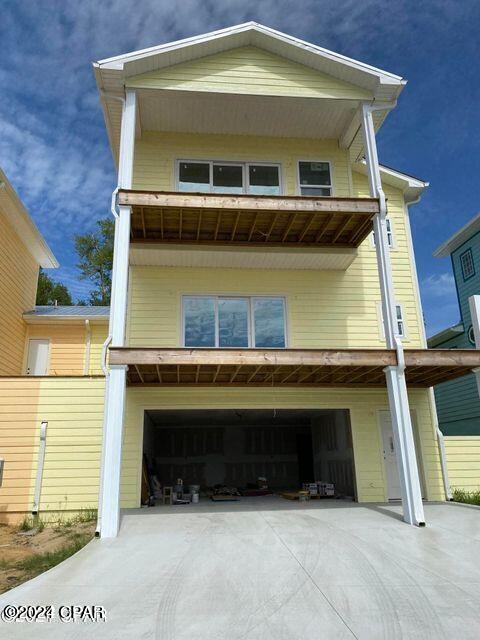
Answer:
(246, 452)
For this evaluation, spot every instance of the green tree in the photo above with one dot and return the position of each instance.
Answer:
(95, 251)
(49, 291)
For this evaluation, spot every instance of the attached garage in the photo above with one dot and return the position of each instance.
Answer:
(236, 447)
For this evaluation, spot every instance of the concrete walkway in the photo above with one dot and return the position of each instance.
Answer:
(268, 569)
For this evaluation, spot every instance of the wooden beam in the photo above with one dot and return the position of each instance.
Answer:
(159, 374)
(288, 227)
(139, 374)
(307, 226)
(143, 222)
(323, 228)
(341, 228)
(255, 357)
(169, 199)
(252, 228)
(270, 228)
(217, 227)
(235, 225)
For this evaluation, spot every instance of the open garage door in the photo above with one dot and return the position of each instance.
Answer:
(236, 448)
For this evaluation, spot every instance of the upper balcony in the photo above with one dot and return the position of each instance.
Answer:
(249, 220)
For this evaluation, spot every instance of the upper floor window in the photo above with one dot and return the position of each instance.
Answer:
(229, 322)
(315, 178)
(228, 177)
(400, 330)
(468, 267)
(388, 224)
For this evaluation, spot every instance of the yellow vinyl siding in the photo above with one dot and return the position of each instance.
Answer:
(73, 408)
(18, 445)
(156, 155)
(18, 285)
(463, 462)
(248, 70)
(363, 405)
(67, 347)
(327, 308)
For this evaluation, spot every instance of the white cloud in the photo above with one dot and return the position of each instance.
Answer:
(439, 285)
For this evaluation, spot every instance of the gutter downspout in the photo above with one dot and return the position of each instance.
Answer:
(88, 342)
(106, 344)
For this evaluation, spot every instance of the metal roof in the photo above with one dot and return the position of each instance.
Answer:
(71, 312)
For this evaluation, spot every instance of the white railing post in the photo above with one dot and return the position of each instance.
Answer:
(395, 375)
(109, 500)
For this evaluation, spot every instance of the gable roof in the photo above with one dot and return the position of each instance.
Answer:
(458, 238)
(411, 187)
(113, 73)
(18, 217)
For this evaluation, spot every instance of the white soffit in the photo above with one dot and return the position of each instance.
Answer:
(232, 114)
(171, 255)
(411, 187)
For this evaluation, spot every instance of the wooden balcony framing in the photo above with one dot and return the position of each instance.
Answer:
(286, 221)
(289, 367)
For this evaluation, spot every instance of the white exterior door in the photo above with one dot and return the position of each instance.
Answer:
(37, 358)
(390, 461)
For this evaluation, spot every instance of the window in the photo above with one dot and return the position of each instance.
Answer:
(229, 322)
(399, 320)
(228, 177)
(471, 335)
(388, 224)
(466, 261)
(315, 178)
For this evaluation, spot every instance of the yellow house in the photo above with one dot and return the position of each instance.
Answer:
(266, 318)
(50, 372)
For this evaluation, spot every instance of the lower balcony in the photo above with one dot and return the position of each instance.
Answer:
(289, 367)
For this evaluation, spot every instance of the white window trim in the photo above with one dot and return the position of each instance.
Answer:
(392, 244)
(240, 163)
(331, 186)
(249, 298)
(381, 326)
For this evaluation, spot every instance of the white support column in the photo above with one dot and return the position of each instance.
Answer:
(109, 500)
(395, 376)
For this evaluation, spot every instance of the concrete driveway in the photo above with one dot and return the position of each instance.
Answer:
(268, 569)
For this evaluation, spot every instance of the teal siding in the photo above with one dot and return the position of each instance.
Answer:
(458, 401)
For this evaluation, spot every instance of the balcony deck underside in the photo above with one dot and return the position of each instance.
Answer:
(289, 367)
(249, 220)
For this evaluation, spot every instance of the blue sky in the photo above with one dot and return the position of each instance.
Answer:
(53, 144)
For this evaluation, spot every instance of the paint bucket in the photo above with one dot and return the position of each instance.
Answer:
(195, 498)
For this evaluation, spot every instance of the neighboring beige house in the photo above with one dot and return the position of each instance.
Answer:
(258, 325)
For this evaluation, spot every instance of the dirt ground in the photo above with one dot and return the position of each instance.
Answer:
(16, 547)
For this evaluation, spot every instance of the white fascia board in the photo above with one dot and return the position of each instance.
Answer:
(458, 238)
(28, 232)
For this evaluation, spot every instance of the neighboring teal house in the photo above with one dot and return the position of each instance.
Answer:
(458, 401)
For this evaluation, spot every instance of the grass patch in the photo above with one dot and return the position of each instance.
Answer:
(467, 497)
(31, 522)
(43, 561)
